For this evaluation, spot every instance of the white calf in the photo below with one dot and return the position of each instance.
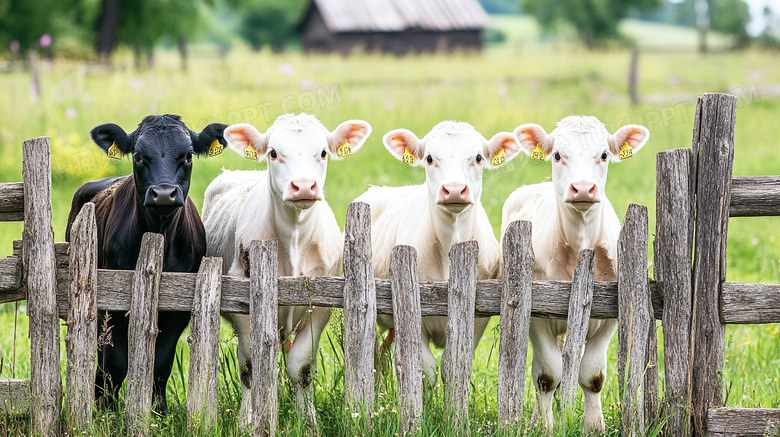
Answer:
(439, 213)
(570, 214)
(284, 203)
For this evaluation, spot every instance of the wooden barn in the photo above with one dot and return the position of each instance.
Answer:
(397, 26)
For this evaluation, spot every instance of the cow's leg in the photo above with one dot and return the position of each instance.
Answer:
(171, 324)
(480, 323)
(593, 372)
(547, 368)
(428, 361)
(240, 324)
(302, 359)
(112, 359)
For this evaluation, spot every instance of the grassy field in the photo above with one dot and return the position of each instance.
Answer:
(495, 91)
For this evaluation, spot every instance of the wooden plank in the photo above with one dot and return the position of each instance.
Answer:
(456, 361)
(11, 201)
(750, 303)
(516, 299)
(359, 311)
(142, 334)
(580, 303)
(408, 325)
(264, 335)
(672, 264)
(39, 275)
(15, 396)
(714, 150)
(634, 319)
(745, 422)
(204, 345)
(81, 340)
(10, 273)
(753, 196)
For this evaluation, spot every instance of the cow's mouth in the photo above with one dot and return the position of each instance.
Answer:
(454, 207)
(301, 203)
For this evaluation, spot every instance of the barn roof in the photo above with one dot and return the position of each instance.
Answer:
(399, 15)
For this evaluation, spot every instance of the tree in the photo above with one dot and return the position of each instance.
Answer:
(729, 17)
(270, 22)
(595, 21)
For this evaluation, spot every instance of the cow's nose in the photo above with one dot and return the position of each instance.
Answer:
(455, 193)
(164, 195)
(583, 192)
(304, 189)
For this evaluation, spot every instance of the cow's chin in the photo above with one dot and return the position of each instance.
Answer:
(581, 206)
(301, 204)
(163, 211)
(454, 208)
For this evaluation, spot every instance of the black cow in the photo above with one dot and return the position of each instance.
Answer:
(152, 199)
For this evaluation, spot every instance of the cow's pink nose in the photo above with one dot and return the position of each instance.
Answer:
(303, 189)
(455, 193)
(583, 192)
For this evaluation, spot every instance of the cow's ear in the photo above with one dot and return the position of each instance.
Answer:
(247, 141)
(627, 141)
(210, 140)
(111, 138)
(348, 138)
(531, 135)
(405, 146)
(501, 149)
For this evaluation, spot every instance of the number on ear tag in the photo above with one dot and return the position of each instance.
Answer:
(215, 148)
(499, 158)
(538, 153)
(114, 152)
(250, 152)
(407, 157)
(344, 150)
(626, 151)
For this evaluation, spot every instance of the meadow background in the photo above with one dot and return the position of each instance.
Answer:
(530, 77)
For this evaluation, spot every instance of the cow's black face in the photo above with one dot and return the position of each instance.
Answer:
(162, 148)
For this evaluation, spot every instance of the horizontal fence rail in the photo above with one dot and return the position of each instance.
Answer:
(754, 196)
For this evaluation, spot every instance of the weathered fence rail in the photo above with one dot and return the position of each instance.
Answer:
(696, 196)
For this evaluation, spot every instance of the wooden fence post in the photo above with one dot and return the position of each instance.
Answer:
(39, 275)
(713, 142)
(264, 333)
(142, 334)
(407, 319)
(359, 311)
(672, 268)
(456, 361)
(204, 345)
(515, 321)
(635, 317)
(81, 340)
(580, 303)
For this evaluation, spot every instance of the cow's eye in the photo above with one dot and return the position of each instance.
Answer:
(429, 159)
(604, 156)
(189, 157)
(324, 153)
(273, 154)
(479, 158)
(137, 158)
(557, 157)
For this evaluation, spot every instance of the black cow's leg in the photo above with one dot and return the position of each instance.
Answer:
(112, 359)
(171, 324)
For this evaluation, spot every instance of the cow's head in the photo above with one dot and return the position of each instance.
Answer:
(161, 148)
(580, 149)
(454, 156)
(297, 149)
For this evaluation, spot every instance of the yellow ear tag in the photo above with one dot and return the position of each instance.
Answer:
(344, 150)
(250, 152)
(407, 157)
(538, 153)
(626, 151)
(215, 148)
(499, 158)
(114, 152)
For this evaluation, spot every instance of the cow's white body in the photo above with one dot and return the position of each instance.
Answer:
(565, 219)
(242, 206)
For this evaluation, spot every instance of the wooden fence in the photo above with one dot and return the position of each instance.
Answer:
(695, 192)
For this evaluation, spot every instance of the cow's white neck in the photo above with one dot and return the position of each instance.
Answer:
(451, 228)
(581, 230)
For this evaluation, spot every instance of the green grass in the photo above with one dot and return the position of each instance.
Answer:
(495, 91)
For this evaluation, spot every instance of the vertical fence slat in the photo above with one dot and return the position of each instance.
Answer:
(515, 320)
(672, 266)
(359, 311)
(39, 271)
(142, 334)
(456, 361)
(264, 334)
(204, 345)
(81, 340)
(714, 156)
(634, 318)
(580, 303)
(407, 319)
